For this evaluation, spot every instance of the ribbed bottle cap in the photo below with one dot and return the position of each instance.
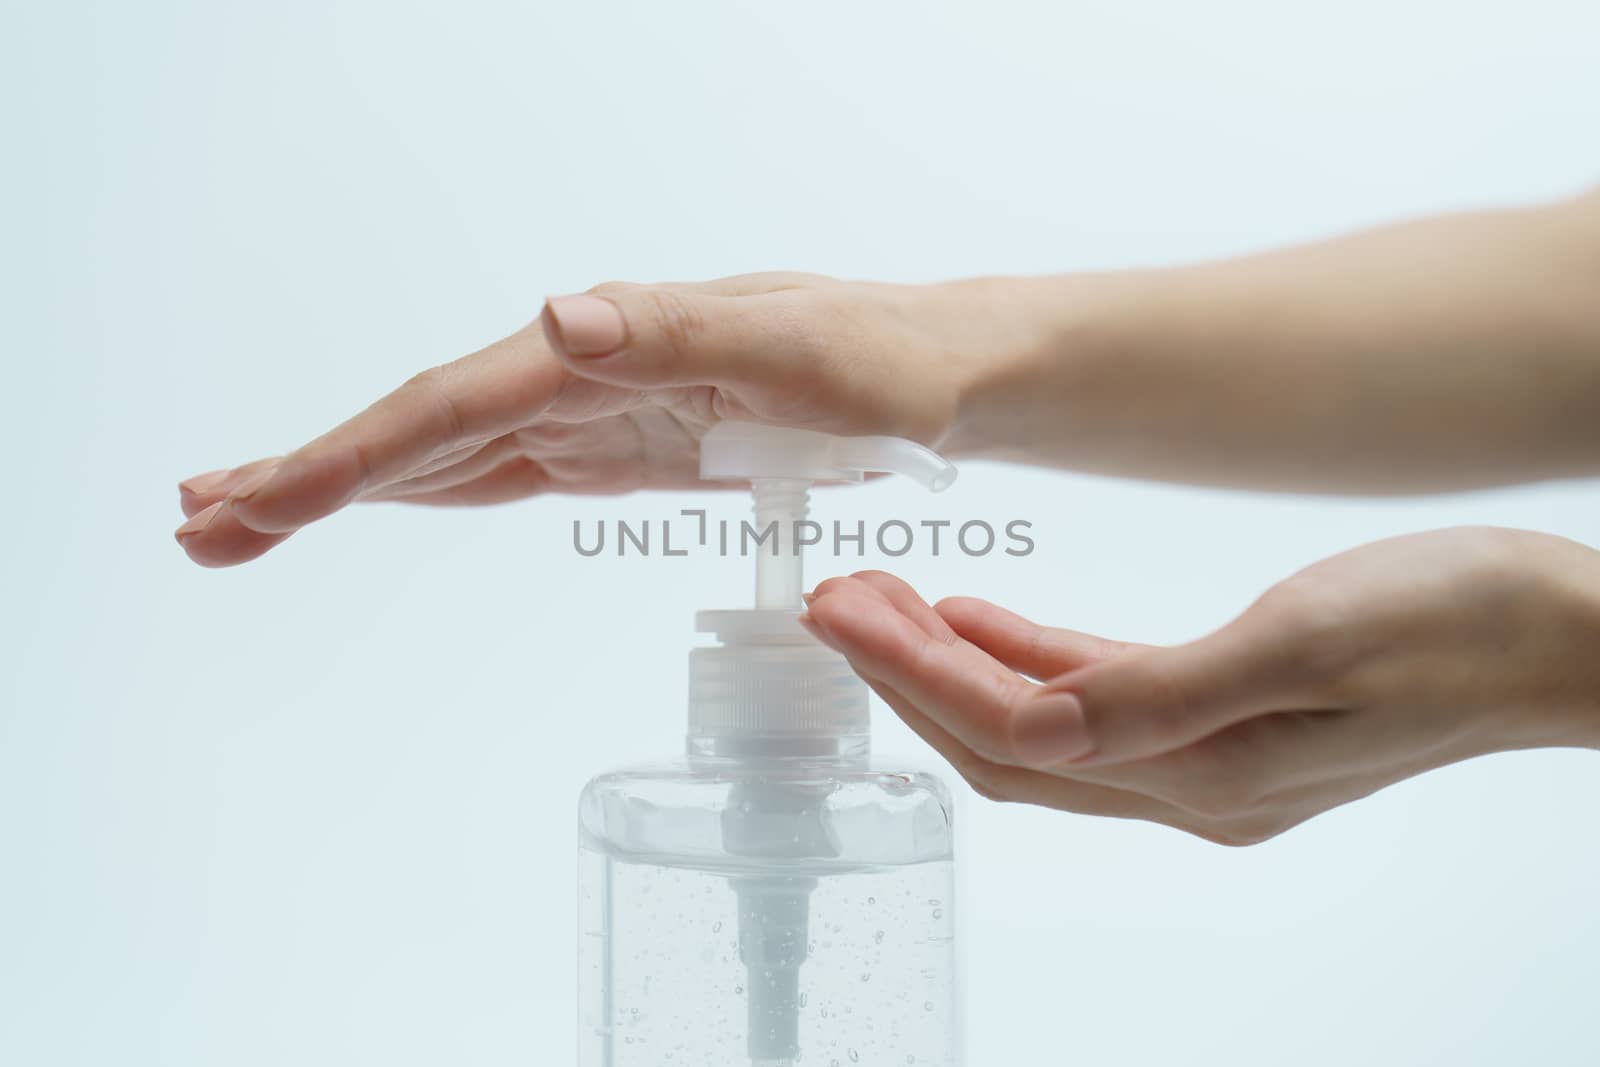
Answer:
(769, 678)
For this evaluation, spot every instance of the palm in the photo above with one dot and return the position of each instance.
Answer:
(591, 439)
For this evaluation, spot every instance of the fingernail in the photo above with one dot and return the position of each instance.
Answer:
(813, 628)
(585, 325)
(1050, 729)
(204, 483)
(199, 521)
(252, 485)
(808, 598)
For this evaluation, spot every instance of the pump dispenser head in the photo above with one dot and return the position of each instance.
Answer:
(770, 685)
(781, 464)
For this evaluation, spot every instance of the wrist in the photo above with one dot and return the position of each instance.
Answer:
(1019, 346)
(1568, 576)
(1586, 596)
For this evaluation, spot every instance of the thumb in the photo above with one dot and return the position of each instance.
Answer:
(647, 335)
(1155, 700)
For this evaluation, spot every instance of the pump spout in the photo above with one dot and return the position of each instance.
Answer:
(895, 455)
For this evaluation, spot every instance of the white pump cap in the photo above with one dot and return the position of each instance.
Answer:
(780, 464)
(748, 451)
(769, 685)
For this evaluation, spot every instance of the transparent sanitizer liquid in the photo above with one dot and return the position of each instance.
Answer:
(684, 961)
(772, 897)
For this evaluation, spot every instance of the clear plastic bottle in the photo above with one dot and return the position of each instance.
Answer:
(841, 952)
(772, 897)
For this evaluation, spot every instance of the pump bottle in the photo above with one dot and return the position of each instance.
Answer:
(773, 897)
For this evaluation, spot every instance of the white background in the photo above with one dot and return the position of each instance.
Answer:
(319, 809)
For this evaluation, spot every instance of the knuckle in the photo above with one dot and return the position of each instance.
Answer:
(776, 280)
(430, 388)
(1035, 646)
(757, 283)
(794, 322)
(678, 322)
(1103, 648)
(880, 578)
(424, 379)
(831, 585)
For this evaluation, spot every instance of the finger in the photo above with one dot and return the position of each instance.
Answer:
(514, 479)
(999, 781)
(1154, 700)
(199, 492)
(853, 597)
(471, 465)
(473, 399)
(962, 689)
(649, 336)
(214, 537)
(907, 601)
(1016, 642)
(1039, 651)
(451, 458)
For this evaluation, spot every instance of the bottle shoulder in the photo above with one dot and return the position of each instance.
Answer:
(702, 772)
(721, 813)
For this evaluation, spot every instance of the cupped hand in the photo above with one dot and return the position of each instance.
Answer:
(610, 391)
(1365, 669)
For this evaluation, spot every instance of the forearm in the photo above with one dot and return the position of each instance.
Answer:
(1448, 353)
